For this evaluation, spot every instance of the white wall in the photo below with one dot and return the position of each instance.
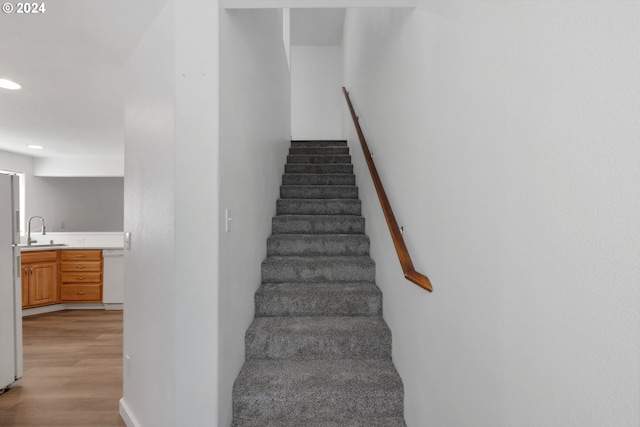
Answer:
(254, 139)
(79, 166)
(16, 162)
(171, 209)
(197, 214)
(83, 204)
(173, 343)
(506, 134)
(149, 214)
(316, 92)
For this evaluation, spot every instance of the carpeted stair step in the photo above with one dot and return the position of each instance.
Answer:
(318, 179)
(318, 207)
(319, 143)
(318, 159)
(318, 337)
(319, 150)
(307, 168)
(331, 390)
(318, 244)
(317, 224)
(318, 269)
(343, 422)
(318, 353)
(319, 192)
(318, 299)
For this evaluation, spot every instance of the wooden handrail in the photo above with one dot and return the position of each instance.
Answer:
(403, 254)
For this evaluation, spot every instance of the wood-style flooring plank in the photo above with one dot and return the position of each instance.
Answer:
(72, 372)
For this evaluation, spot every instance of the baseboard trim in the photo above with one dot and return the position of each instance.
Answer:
(73, 306)
(41, 310)
(127, 415)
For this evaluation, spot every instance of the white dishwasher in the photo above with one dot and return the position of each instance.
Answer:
(113, 290)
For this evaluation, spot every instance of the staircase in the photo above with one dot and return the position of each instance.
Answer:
(318, 352)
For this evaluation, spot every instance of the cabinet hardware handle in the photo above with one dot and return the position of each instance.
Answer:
(79, 267)
(79, 256)
(80, 293)
(79, 278)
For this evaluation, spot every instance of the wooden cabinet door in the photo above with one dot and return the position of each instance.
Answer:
(40, 283)
(43, 283)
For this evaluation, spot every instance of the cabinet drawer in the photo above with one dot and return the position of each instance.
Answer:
(82, 266)
(81, 293)
(38, 256)
(81, 254)
(81, 277)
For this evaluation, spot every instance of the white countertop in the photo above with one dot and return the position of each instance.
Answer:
(62, 248)
(88, 240)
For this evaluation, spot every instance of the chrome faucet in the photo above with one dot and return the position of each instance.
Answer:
(44, 230)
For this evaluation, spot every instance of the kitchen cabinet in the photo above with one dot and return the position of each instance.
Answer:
(39, 277)
(81, 275)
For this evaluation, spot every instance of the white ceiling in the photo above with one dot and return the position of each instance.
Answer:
(69, 61)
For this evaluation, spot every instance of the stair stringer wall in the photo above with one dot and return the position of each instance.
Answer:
(254, 138)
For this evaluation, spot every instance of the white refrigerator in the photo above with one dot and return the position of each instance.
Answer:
(10, 285)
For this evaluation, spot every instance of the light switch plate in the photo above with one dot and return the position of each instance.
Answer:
(227, 220)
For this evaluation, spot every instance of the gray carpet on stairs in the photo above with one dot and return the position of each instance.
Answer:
(318, 353)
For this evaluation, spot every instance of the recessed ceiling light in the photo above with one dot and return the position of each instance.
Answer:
(35, 147)
(8, 84)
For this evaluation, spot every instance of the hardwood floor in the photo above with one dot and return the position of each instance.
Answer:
(72, 372)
